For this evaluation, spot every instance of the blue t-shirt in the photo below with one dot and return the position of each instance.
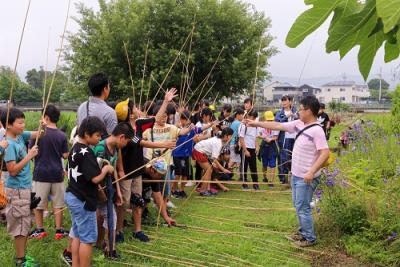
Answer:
(235, 127)
(16, 151)
(186, 149)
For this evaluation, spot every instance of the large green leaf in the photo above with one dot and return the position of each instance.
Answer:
(392, 51)
(347, 26)
(358, 36)
(389, 11)
(344, 9)
(368, 49)
(310, 20)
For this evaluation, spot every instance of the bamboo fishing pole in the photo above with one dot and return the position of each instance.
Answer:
(45, 70)
(54, 73)
(13, 78)
(172, 65)
(144, 73)
(130, 74)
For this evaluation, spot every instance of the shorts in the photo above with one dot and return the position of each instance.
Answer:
(199, 157)
(182, 167)
(84, 224)
(104, 213)
(18, 212)
(235, 158)
(129, 187)
(43, 190)
(269, 162)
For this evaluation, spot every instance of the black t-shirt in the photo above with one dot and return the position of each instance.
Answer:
(48, 163)
(132, 157)
(323, 119)
(82, 168)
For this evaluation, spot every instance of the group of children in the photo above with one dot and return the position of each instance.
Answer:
(116, 152)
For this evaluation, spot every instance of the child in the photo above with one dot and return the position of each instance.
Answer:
(309, 154)
(206, 152)
(48, 174)
(183, 152)
(268, 149)
(221, 170)
(19, 183)
(234, 144)
(132, 155)
(162, 132)
(108, 149)
(81, 196)
(3, 170)
(324, 120)
(248, 143)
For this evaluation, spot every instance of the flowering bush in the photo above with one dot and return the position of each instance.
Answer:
(360, 194)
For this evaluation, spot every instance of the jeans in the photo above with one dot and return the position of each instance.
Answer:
(84, 224)
(285, 159)
(302, 194)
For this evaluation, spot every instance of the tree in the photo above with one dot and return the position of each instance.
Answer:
(368, 24)
(165, 24)
(35, 77)
(375, 84)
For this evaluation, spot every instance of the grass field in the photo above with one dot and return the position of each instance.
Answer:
(233, 229)
(237, 228)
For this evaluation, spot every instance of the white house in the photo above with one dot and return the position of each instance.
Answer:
(343, 91)
(268, 90)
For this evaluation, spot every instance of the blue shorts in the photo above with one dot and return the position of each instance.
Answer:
(84, 224)
(269, 162)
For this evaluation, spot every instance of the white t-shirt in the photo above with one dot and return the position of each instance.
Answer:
(291, 118)
(200, 125)
(249, 134)
(2, 133)
(211, 147)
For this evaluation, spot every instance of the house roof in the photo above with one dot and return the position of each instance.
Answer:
(340, 83)
(285, 85)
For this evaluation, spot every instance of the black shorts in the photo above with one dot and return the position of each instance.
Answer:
(182, 167)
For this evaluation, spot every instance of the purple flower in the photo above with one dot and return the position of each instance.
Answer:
(392, 236)
(330, 182)
(318, 210)
(318, 194)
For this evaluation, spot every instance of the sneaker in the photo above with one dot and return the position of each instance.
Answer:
(60, 233)
(305, 243)
(183, 194)
(38, 234)
(206, 194)
(28, 262)
(189, 184)
(245, 187)
(265, 180)
(213, 190)
(294, 237)
(119, 237)
(141, 236)
(256, 187)
(170, 205)
(67, 257)
(112, 255)
(175, 194)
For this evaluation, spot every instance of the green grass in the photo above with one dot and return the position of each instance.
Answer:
(220, 231)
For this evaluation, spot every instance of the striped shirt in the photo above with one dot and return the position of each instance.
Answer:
(306, 148)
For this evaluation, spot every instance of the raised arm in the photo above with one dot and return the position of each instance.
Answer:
(277, 126)
(169, 95)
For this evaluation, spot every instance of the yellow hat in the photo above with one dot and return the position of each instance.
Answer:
(212, 107)
(122, 110)
(269, 116)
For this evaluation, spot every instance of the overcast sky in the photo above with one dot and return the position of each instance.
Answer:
(48, 16)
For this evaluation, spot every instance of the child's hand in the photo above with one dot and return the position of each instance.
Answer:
(170, 222)
(119, 200)
(109, 169)
(33, 152)
(170, 144)
(170, 94)
(227, 171)
(4, 143)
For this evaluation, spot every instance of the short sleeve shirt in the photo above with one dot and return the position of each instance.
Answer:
(132, 158)
(48, 163)
(235, 127)
(249, 134)
(17, 151)
(82, 168)
(160, 134)
(101, 151)
(306, 148)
